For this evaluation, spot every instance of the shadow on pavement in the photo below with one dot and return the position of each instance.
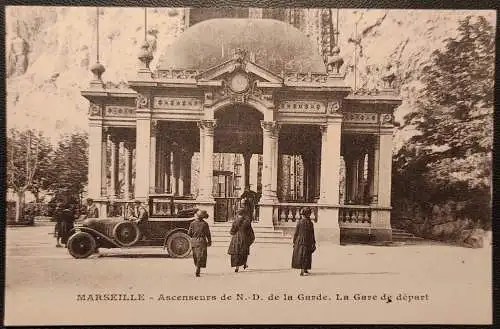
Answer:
(135, 256)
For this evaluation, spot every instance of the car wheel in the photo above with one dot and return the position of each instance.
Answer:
(81, 245)
(126, 233)
(179, 245)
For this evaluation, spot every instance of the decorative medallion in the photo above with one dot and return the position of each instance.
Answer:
(386, 118)
(142, 102)
(95, 110)
(239, 83)
(333, 107)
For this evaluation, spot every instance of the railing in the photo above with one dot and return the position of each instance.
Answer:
(354, 215)
(287, 213)
(176, 74)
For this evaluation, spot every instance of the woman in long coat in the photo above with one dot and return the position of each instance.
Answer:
(304, 243)
(200, 240)
(242, 236)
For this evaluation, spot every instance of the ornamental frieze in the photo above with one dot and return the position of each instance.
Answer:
(183, 103)
(176, 74)
(358, 117)
(119, 111)
(302, 106)
(305, 77)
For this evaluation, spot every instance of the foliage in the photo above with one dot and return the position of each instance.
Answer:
(28, 164)
(69, 167)
(450, 156)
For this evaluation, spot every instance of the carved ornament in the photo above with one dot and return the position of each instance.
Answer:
(120, 111)
(95, 110)
(386, 118)
(302, 106)
(272, 127)
(333, 107)
(207, 125)
(142, 102)
(183, 103)
(356, 117)
(176, 74)
(305, 77)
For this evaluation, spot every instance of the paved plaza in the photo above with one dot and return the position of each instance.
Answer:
(426, 284)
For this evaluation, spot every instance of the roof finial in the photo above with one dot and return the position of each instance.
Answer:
(145, 55)
(97, 69)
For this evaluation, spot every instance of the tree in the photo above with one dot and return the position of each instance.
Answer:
(28, 162)
(69, 167)
(450, 156)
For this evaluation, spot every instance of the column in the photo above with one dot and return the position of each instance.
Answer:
(207, 148)
(143, 147)
(253, 172)
(152, 156)
(104, 164)
(160, 163)
(172, 172)
(182, 172)
(127, 177)
(269, 131)
(385, 170)
(317, 174)
(268, 128)
(114, 165)
(166, 167)
(247, 157)
(97, 151)
(328, 225)
(274, 163)
(375, 171)
(353, 179)
(187, 181)
(381, 211)
(361, 174)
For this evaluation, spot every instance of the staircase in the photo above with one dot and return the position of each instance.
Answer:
(263, 234)
(399, 235)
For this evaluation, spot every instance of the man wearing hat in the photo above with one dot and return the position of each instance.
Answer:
(91, 210)
(140, 216)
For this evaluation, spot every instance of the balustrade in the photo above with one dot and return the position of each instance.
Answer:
(286, 213)
(355, 215)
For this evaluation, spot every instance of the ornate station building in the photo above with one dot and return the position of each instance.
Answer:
(269, 110)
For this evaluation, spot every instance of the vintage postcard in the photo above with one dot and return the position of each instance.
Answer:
(217, 166)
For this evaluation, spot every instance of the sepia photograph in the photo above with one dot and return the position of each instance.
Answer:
(241, 165)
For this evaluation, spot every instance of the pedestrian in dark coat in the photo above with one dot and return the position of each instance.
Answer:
(242, 237)
(200, 240)
(304, 243)
(67, 223)
(58, 219)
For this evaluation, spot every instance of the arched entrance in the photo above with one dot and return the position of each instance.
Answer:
(237, 145)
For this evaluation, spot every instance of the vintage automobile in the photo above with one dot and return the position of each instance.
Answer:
(167, 231)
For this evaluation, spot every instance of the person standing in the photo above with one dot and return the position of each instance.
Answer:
(140, 216)
(58, 227)
(200, 240)
(304, 243)
(242, 236)
(67, 222)
(250, 200)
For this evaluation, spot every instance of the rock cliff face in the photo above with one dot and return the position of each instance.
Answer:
(50, 51)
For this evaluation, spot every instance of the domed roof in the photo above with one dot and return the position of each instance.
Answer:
(277, 46)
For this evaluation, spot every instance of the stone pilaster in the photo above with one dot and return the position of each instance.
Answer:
(127, 177)
(95, 168)
(143, 148)
(152, 156)
(375, 160)
(115, 146)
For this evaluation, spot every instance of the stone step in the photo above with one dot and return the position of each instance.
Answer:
(257, 234)
(224, 241)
